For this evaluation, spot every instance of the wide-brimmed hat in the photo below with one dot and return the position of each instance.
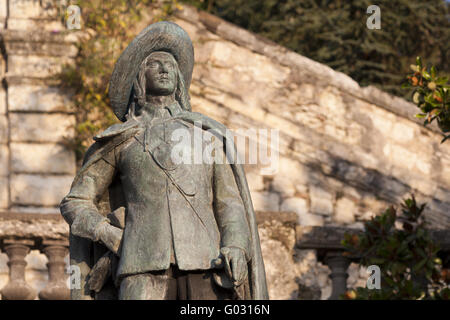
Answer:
(161, 36)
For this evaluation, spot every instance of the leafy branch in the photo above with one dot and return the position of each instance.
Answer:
(401, 246)
(110, 27)
(431, 95)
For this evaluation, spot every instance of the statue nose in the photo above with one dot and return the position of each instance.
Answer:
(164, 68)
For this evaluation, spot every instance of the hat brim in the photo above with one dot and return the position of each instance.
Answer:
(161, 36)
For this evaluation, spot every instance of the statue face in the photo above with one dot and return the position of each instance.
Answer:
(161, 74)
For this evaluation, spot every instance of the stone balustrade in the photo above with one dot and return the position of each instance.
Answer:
(22, 233)
(17, 288)
(327, 242)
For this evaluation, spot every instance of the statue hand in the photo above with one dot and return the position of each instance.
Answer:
(235, 264)
(110, 236)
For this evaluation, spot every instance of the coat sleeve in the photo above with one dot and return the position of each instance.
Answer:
(79, 207)
(229, 209)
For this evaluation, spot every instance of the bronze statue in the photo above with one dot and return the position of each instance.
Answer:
(144, 226)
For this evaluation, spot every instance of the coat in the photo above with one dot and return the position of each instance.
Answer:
(189, 211)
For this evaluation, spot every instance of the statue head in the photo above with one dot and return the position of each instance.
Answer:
(130, 84)
(159, 75)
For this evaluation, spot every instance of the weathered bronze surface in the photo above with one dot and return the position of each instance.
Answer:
(144, 226)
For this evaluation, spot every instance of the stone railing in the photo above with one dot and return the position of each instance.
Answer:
(21, 233)
(327, 242)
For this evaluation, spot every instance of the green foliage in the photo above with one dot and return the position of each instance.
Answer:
(107, 24)
(402, 248)
(335, 33)
(431, 94)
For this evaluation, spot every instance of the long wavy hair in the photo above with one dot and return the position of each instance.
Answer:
(139, 90)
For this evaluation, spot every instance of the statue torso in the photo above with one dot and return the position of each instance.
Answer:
(169, 204)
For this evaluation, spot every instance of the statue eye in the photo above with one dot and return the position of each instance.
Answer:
(152, 64)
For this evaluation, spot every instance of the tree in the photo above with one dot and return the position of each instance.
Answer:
(334, 32)
(401, 246)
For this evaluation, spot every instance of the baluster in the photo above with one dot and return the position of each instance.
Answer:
(17, 288)
(56, 288)
(338, 265)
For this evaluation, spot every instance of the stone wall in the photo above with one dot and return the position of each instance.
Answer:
(35, 114)
(345, 152)
(36, 170)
